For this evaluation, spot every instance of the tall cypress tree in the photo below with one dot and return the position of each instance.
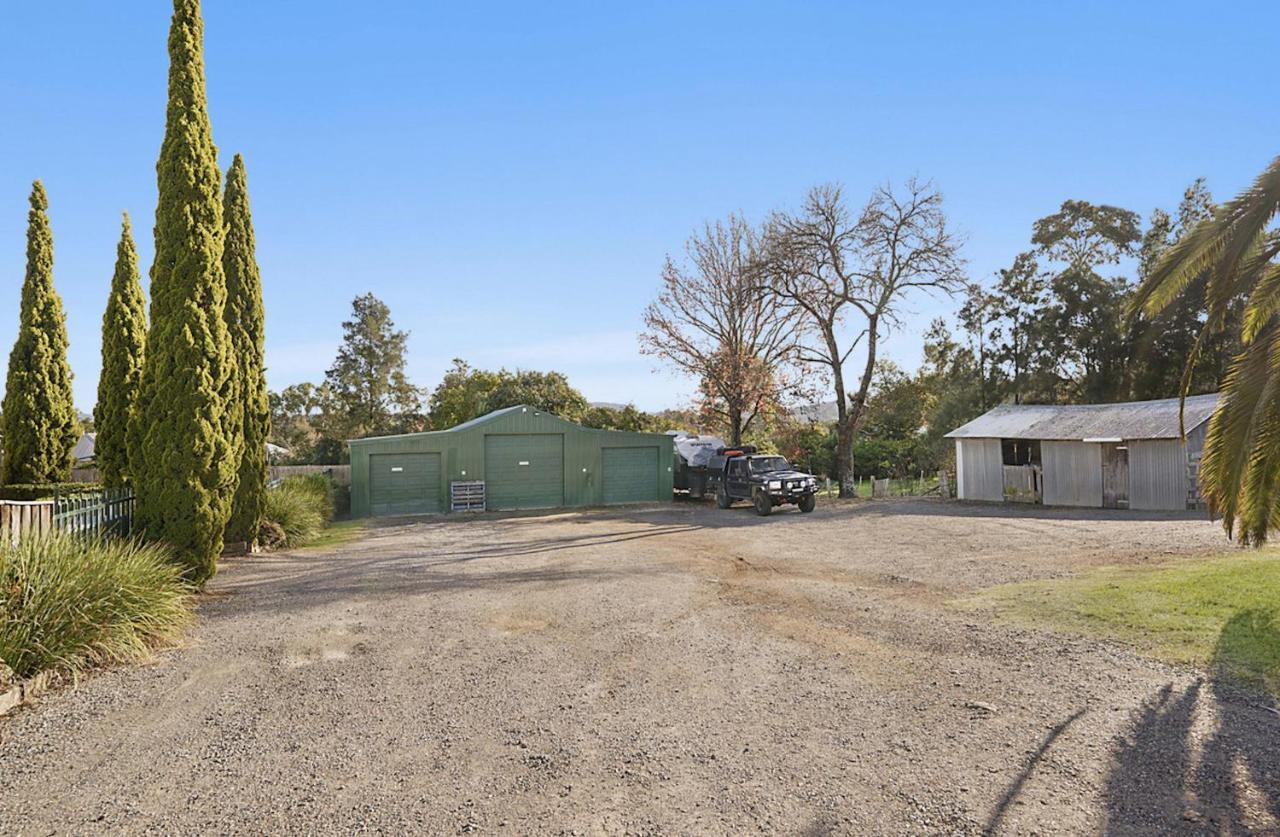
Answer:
(124, 340)
(244, 319)
(40, 426)
(181, 447)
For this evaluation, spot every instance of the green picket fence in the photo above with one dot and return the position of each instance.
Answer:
(95, 511)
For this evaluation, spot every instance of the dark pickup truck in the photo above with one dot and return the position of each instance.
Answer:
(765, 480)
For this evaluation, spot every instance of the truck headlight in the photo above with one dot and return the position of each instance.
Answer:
(775, 485)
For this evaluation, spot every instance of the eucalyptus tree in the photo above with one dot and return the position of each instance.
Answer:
(714, 320)
(848, 277)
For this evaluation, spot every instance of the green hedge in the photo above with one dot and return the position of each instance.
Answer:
(42, 491)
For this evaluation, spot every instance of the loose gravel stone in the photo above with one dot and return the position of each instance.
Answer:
(675, 670)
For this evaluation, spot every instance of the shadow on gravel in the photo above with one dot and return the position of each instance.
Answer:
(1011, 795)
(306, 586)
(923, 507)
(1165, 779)
(708, 516)
(297, 581)
(537, 546)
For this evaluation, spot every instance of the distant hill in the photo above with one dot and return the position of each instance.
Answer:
(824, 412)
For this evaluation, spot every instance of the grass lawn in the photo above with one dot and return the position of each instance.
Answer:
(1222, 613)
(338, 533)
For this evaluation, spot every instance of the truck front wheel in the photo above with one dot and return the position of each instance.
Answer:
(807, 503)
(763, 504)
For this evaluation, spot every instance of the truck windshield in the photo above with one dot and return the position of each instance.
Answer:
(768, 464)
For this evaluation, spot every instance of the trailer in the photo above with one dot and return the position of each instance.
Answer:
(692, 473)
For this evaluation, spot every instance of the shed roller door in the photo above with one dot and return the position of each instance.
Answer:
(404, 483)
(524, 471)
(630, 475)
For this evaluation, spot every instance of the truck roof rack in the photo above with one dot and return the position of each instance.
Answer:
(740, 450)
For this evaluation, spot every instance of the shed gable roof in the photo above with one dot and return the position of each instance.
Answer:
(484, 419)
(504, 413)
(1129, 420)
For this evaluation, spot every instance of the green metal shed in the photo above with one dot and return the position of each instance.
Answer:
(527, 459)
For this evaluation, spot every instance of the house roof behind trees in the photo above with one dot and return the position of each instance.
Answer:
(1129, 420)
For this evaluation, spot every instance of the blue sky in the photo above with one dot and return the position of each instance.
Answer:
(510, 177)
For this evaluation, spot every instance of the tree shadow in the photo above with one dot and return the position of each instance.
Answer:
(742, 514)
(429, 563)
(996, 819)
(1203, 760)
(936, 507)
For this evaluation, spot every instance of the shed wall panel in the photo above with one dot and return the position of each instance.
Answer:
(979, 470)
(1072, 473)
(1157, 474)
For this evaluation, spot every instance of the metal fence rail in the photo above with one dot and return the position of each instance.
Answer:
(92, 512)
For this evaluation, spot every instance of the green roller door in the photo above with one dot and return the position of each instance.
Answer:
(630, 475)
(524, 471)
(404, 483)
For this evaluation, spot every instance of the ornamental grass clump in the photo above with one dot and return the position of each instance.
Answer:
(69, 603)
(296, 511)
(322, 489)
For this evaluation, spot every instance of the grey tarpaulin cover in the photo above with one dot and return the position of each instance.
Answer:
(696, 450)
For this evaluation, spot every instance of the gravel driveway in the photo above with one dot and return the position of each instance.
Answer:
(675, 670)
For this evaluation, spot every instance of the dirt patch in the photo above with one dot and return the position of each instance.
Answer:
(654, 671)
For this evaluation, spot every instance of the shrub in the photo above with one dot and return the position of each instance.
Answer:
(297, 509)
(321, 487)
(341, 501)
(68, 603)
(183, 441)
(270, 534)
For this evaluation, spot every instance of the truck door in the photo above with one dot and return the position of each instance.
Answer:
(737, 479)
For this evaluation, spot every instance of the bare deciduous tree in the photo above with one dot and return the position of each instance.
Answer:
(713, 321)
(845, 276)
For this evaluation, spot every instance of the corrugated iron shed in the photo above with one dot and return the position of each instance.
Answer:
(1131, 420)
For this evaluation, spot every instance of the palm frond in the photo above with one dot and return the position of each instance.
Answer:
(1218, 243)
(1241, 443)
(1264, 296)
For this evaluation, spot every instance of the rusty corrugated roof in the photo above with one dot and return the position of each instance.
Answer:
(1129, 420)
